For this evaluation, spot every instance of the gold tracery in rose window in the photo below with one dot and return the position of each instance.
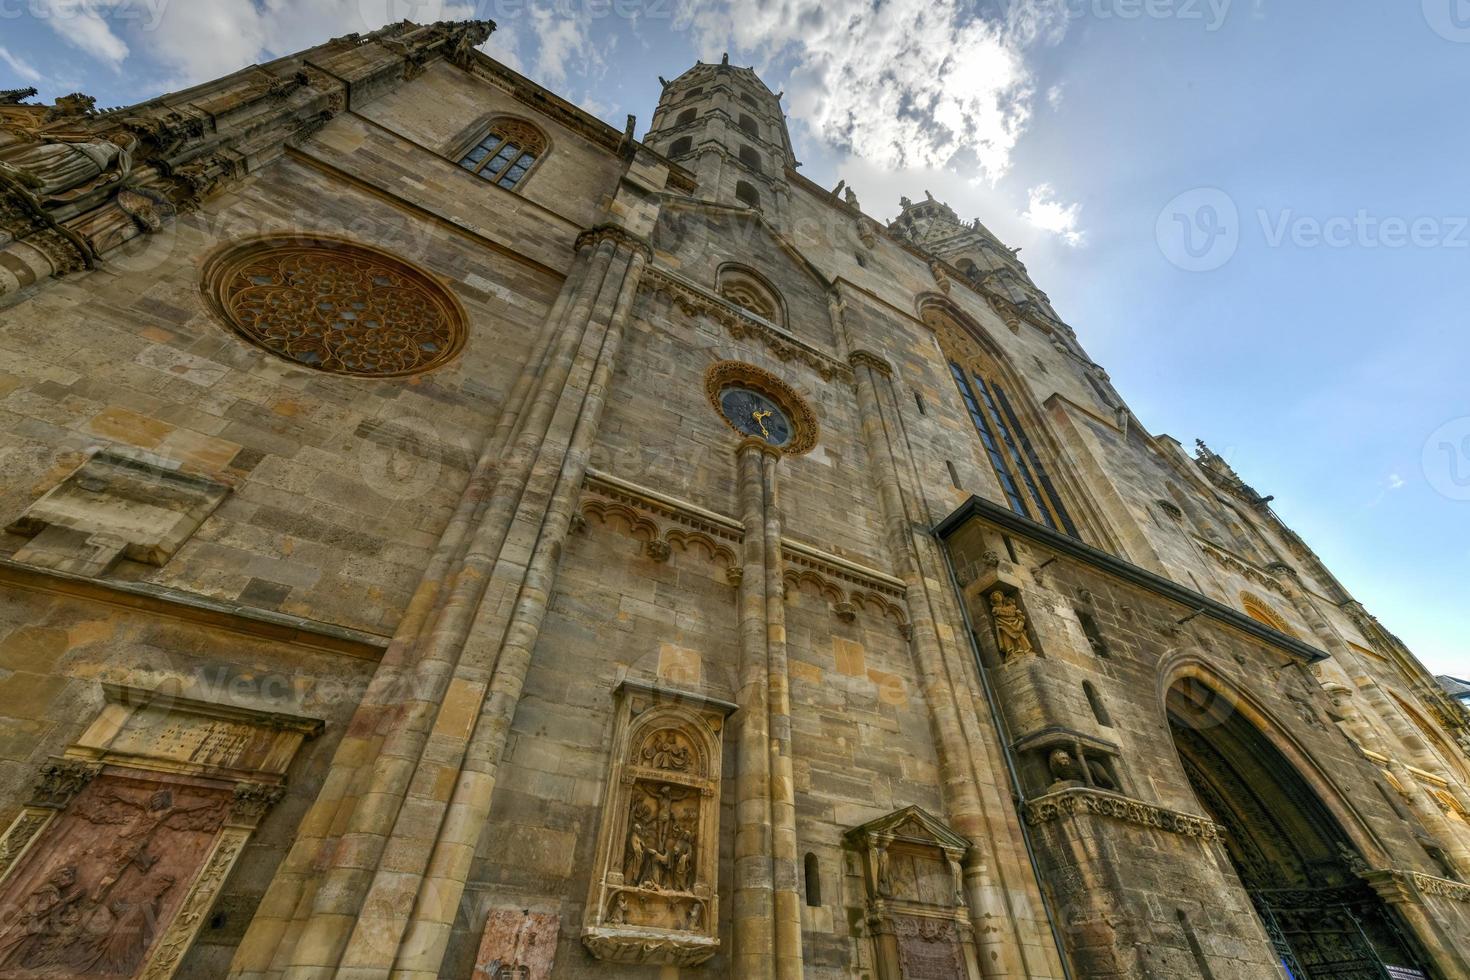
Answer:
(335, 306)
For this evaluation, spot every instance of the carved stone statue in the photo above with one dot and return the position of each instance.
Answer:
(682, 861)
(122, 930)
(849, 197)
(66, 168)
(636, 860)
(885, 874)
(1010, 626)
(957, 878)
(47, 917)
(665, 750)
(619, 912)
(1063, 767)
(1101, 778)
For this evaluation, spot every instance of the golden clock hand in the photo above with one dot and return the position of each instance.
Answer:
(760, 420)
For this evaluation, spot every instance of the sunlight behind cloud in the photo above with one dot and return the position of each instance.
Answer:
(902, 83)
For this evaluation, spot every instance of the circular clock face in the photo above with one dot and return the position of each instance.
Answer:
(756, 415)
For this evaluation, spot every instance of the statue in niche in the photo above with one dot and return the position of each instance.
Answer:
(1065, 768)
(619, 913)
(957, 879)
(885, 874)
(1101, 778)
(63, 168)
(666, 750)
(1010, 626)
(696, 915)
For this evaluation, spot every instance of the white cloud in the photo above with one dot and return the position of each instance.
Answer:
(1054, 96)
(83, 24)
(1395, 481)
(199, 40)
(1049, 214)
(563, 41)
(21, 68)
(902, 83)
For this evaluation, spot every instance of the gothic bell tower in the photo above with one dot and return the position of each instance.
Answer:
(722, 123)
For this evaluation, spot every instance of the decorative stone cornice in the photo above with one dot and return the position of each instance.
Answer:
(650, 516)
(620, 238)
(1070, 802)
(1243, 568)
(742, 325)
(1399, 885)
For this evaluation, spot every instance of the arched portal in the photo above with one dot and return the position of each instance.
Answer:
(1291, 855)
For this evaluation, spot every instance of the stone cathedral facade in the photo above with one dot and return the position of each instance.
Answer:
(447, 536)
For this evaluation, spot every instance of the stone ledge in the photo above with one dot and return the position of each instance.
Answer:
(196, 608)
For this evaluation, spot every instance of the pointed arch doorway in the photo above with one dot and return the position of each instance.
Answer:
(1291, 855)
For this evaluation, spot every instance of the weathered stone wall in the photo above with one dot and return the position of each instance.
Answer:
(352, 512)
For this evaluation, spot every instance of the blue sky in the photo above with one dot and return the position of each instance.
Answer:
(1254, 212)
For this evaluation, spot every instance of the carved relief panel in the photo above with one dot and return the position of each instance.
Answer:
(654, 896)
(112, 867)
(916, 912)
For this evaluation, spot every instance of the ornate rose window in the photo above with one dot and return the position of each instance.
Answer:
(335, 306)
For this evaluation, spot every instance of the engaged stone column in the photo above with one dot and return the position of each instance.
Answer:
(374, 880)
(754, 899)
(997, 937)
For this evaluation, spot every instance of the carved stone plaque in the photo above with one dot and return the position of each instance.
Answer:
(110, 870)
(114, 868)
(929, 949)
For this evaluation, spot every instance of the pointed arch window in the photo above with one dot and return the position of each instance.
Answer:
(508, 151)
(1019, 469)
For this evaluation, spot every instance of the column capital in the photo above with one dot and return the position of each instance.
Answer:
(866, 358)
(620, 237)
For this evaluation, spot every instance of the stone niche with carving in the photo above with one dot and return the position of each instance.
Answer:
(1057, 758)
(112, 867)
(653, 896)
(916, 913)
